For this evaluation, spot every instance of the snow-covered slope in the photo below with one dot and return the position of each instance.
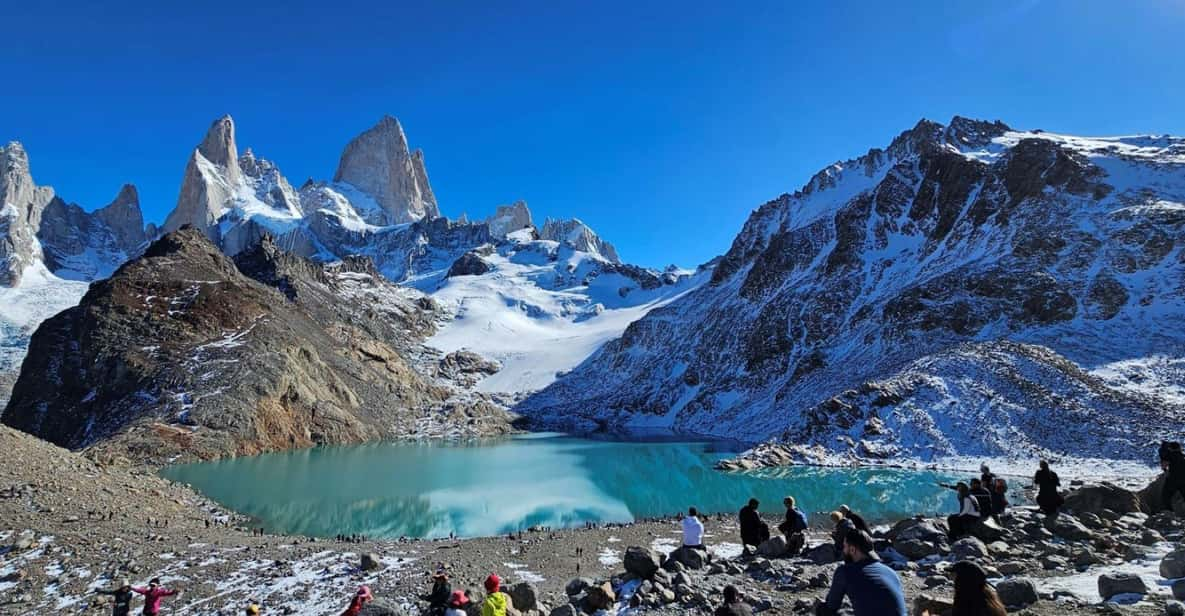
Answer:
(882, 266)
(543, 307)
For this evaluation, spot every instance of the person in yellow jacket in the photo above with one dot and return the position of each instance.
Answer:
(495, 603)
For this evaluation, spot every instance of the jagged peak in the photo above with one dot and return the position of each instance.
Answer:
(218, 146)
(127, 194)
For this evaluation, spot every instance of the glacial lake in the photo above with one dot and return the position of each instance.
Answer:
(414, 489)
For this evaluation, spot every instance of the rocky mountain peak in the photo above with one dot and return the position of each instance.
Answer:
(379, 163)
(21, 205)
(124, 217)
(575, 234)
(509, 218)
(968, 132)
(219, 147)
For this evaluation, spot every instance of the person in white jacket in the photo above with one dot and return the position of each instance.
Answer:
(962, 522)
(693, 530)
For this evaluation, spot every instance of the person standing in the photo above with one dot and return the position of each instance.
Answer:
(122, 599)
(872, 588)
(693, 530)
(495, 602)
(1047, 482)
(986, 477)
(999, 499)
(793, 527)
(1172, 461)
(153, 595)
(733, 606)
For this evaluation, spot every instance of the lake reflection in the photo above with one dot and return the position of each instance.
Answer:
(491, 488)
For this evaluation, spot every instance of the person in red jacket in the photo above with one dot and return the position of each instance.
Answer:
(361, 598)
(153, 596)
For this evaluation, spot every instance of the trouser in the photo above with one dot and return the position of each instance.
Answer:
(1170, 490)
(795, 543)
(959, 524)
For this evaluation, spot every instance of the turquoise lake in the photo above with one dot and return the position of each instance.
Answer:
(495, 487)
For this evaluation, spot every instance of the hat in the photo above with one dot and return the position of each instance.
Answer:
(458, 599)
(125, 583)
(493, 583)
(364, 591)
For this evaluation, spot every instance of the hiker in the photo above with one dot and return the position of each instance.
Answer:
(983, 498)
(999, 499)
(857, 521)
(361, 598)
(456, 604)
(1172, 460)
(122, 605)
(842, 527)
(873, 588)
(1047, 483)
(973, 595)
(986, 477)
(753, 530)
(442, 591)
(153, 595)
(961, 522)
(693, 530)
(733, 606)
(793, 527)
(495, 602)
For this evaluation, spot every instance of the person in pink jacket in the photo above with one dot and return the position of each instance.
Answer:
(153, 596)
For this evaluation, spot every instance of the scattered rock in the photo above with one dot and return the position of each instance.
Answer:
(1173, 565)
(642, 562)
(1017, 592)
(1095, 498)
(1067, 527)
(690, 558)
(1179, 590)
(936, 606)
(381, 607)
(564, 610)
(1111, 584)
(578, 585)
(599, 597)
(370, 561)
(1174, 608)
(774, 547)
(524, 595)
(969, 548)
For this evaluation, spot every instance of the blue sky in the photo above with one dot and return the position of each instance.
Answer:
(661, 124)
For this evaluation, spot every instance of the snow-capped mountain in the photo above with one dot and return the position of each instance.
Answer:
(50, 250)
(968, 290)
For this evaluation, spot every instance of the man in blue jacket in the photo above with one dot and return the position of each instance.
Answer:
(871, 587)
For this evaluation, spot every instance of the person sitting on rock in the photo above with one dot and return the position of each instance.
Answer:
(361, 598)
(733, 606)
(793, 527)
(842, 527)
(960, 523)
(999, 499)
(973, 595)
(122, 605)
(856, 519)
(495, 602)
(1172, 461)
(456, 604)
(983, 498)
(442, 591)
(693, 530)
(1047, 482)
(753, 530)
(872, 588)
(153, 595)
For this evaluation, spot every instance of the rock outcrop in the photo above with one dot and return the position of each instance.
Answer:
(579, 236)
(184, 352)
(211, 180)
(82, 245)
(510, 218)
(379, 163)
(21, 205)
(967, 290)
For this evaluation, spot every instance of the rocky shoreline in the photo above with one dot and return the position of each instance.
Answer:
(70, 527)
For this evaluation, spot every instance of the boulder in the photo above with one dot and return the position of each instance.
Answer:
(987, 530)
(381, 607)
(822, 554)
(1179, 590)
(969, 548)
(468, 264)
(642, 562)
(1172, 567)
(370, 562)
(689, 557)
(524, 595)
(915, 549)
(578, 585)
(1174, 608)
(774, 547)
(564, 610)
(1096, 498)
(1017, 592)
(1111, 584)
(1067, 527)
(935, 606)
(1150, 497)
(599, 597)
(923, 529)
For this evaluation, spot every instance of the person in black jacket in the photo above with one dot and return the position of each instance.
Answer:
(442, 591)
(1172, 460)
(753, 530)
(1047, 482)
(999, 499)
(982, 497)
(123, 599)
(857, 521)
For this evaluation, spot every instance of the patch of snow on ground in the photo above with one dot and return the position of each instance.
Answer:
(608, 557)
(1086, 584)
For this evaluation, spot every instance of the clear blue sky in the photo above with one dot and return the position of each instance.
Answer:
(661, 124)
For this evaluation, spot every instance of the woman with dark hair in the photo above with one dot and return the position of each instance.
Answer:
(973, 595)
(1047, 483)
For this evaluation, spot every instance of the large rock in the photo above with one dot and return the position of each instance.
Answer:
(925, 529)
(1017, 592)
(969, 548)
(1068, 527)
(564, 610)
(934, 605)
(690, 558)
(774, 547)
(575, 586)
(1151, 497)
(468, 264)
(1111, 584)
(524, 596)
(915, 549)
(1172, 567)
(642, 562)
(599, 597)
(1095, 498)
(822, 554)
(381, 607)
(510, 218)
(987, 530)
(21, 205)
(370, 561)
